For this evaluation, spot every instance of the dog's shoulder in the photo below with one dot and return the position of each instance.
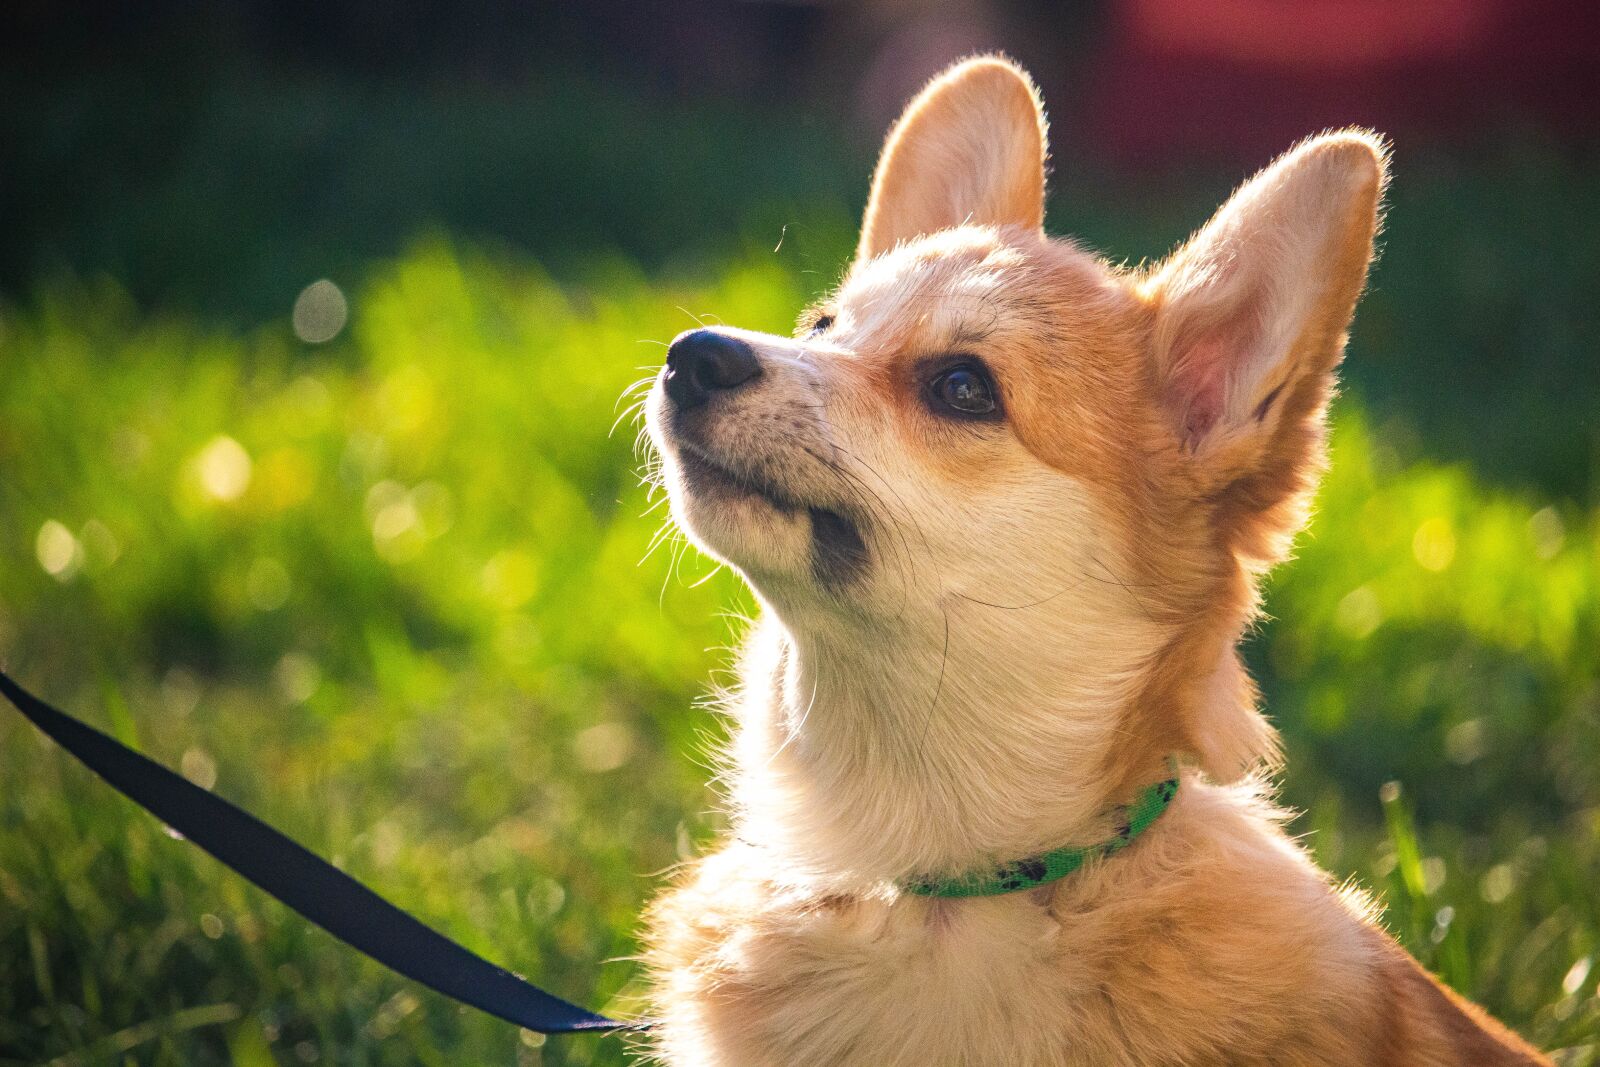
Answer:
(1246, 927)
(1431, 1025)
(1216, 940)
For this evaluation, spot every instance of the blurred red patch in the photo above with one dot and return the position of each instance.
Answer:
(1240, 78)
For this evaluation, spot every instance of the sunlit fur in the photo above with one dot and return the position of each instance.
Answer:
(1049, 607)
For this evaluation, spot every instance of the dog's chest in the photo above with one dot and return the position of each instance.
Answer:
(745, 971)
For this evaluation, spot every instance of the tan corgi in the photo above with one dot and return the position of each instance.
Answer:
(995, 777)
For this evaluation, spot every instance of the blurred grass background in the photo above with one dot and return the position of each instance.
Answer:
(385, 589)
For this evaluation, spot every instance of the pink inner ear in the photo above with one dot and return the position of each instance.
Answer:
(1199, 386)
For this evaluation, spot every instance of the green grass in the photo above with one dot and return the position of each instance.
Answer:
(385, 593)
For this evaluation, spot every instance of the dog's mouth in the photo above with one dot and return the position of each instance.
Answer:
(838, 550)
(708, 477)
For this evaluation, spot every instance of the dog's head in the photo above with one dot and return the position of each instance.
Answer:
(1090, 463)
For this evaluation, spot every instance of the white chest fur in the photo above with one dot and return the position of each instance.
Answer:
(882, 979)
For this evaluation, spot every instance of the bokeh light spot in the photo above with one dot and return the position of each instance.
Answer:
(510, 578)
(100, 546)
(1466, 742)
(180, 692)
(394, 520)
(403, 520)
(267, 584)
(224, 468)
(1434, 544)
(1359, 612)
(1498, 883)
(1441, 924)
(1577, 975)
(1434, 872)
(310, 398)
(436, 508)
(1549, 533)
(58, 551)
(297, 677)
(320, 312)
(604, 747)
(198, 766)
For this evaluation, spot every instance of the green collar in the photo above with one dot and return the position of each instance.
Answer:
(1132, 820)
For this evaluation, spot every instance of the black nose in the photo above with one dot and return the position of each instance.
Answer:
(701, 361)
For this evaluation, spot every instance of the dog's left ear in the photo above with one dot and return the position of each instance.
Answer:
(969, 149)
(1250, 323)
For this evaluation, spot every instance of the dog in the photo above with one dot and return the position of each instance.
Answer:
(997, 777)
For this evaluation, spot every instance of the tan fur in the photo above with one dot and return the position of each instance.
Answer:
(1049, 607)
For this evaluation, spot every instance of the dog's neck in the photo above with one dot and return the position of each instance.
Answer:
(865, 756)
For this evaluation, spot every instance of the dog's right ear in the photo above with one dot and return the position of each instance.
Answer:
(969, 149)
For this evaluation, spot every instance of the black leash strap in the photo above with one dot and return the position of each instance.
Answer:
(309, 884)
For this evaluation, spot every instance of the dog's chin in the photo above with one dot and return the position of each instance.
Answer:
(764, 530)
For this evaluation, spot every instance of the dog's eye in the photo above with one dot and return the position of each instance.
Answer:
(966, 391)
(820, 325)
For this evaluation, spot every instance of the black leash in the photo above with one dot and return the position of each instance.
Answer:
(309, 884)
